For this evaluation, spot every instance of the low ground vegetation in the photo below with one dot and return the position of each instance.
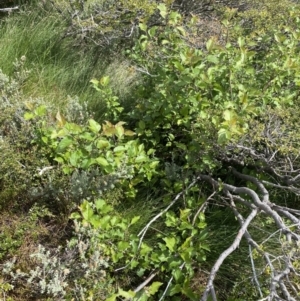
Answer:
(150, 151)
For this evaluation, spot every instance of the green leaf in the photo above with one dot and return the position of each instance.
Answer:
(143, 26)
(123, 245)
(86, 210)
(94, 81)
(28, 116)
(112, 298)
(106, 208)
(129, 294)
(99, 204)
(104, 81)
(86, 163)
(184, 213)
(60, 119)
(177, 273)
(145, 249)
(59, 159)
(67, 170)
(170, 219)
(209, 45)
(205, 247)
(153, 289)
(175, 289)
(223, 136)
(94, 126)
(95, 221)
(73, 128)
(101, 144)
(152, 31)
(227, 115)
(141, 158)
(129, 133)
(119, 148)
(75, 215)
(119, 131)
(102, 161)
(162, 10)
(74, 158)
(87, 136)
(241, 42)
(40, 111)
(186, 244)
(170, 242)
(142, 125)
(153, 164)
(64, 143)
(134, 220)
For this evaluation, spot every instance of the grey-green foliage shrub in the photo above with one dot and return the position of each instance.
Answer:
(68, 190)
(74, 272)
(76, 111)
(15, 135)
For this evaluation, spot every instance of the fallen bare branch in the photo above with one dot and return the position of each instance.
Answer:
(226, 253)
(9, 9)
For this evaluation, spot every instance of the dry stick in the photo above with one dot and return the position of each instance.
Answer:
(285, 292)
(226, 253)
(274, 279)
(142, 285)
(241, 221)
(291, 285)
(169, 283)
(269, 263)
(202, 207)
(262, 205)
(156, 217)
(9, 9)
(267, 207)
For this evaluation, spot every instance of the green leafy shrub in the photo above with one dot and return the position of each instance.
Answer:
(194, 101)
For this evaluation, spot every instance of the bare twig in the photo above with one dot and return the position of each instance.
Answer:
(178, 196)
(202, 207)
(43, 170)
(226, 253)
(142, 285)
(9, 9)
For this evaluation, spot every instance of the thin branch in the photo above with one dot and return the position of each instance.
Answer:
(226, 253)
(254, 272)
(202, 207)
(145, 229)
(142, 285)
(250, 243)
(169, 283)
(264, 205)
(9, 9)
(43, 170)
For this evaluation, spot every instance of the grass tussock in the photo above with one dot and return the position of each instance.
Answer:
(58, 67)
